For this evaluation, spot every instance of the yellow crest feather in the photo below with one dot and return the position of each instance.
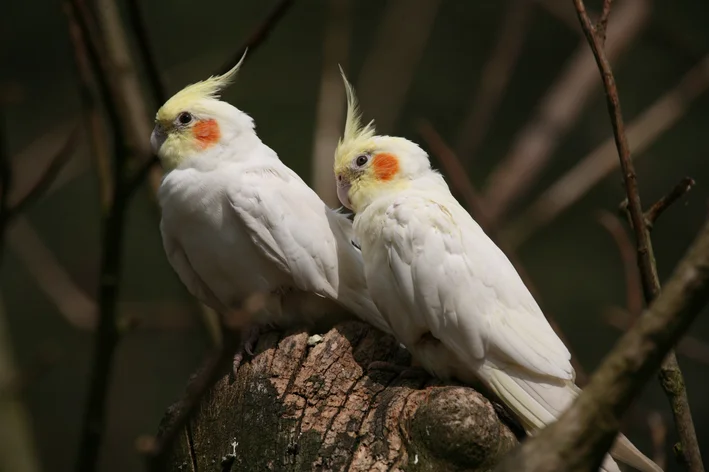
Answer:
(208, 88)
(353, 123)
(355, 133)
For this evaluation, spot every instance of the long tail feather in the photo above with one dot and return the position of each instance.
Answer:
(539, 402)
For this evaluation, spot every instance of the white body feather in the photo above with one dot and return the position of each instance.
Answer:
(455, 301)
(237, 221)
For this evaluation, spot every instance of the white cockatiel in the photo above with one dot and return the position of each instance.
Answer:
(449, 293)
(241, 228)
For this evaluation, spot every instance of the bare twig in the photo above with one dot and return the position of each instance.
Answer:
(126, 83)
(125, 108)
(17, 449)
(462, 185)
(157, 449)
(148, 60)
(259, 35)
(128, 93)
(48, 176)
(671, 377)
(633, 287)
(106, 339)
(330, 104)
(388, 69)
(689, 346)
(602, 24)
(92, 113)
(495, 77)
(534, 145)
(18, 452)
(684, 186)
(584, 432)
(642, 133)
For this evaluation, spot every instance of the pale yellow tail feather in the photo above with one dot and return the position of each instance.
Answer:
(537, 404)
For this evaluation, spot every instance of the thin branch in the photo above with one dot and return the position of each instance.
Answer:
(47, 179)
(148, 60)
(81, 25)
(128, 94)
(92, 114)
(125, 108)
(684, 186)
(18, 451)
(671, 377)
(583, 434)
(633, 287)
(259, 35)
(88, 46)
(127, 89)
(689, 346)
(464, 187)
(496, 75)
(661, 116)
(158, 449)
(602, 24)
(534, 145)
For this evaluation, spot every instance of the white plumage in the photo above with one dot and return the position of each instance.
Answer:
(453, 298)
(250, 225)
(448, 292)
(237, 222)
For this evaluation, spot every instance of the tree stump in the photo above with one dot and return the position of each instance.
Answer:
(310, 403)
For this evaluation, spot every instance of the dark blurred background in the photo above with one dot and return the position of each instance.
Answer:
(509, 86)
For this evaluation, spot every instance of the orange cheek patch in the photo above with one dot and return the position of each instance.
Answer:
(207, 133)
(386, 166)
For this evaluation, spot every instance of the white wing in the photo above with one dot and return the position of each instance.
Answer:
(465, 290)
(288, 222)
(195, 285)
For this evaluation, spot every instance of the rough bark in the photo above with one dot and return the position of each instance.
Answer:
(302, 406)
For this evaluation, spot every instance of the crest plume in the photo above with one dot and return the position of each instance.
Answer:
(210, 88)
(354, 130)
(205, 89)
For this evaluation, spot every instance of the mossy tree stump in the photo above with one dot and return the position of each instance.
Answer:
(301, 405)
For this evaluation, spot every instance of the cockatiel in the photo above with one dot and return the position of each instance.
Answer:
(244, 233)
(449, 293)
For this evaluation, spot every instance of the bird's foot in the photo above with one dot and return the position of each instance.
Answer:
(403, 371)
(247, 346)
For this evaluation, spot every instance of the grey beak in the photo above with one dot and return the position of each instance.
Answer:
(157, 138)
(343, 190)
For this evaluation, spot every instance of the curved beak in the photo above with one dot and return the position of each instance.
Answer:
(343, 190)
(157, 138)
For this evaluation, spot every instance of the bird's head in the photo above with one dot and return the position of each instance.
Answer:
(194, 121)
(367, 165)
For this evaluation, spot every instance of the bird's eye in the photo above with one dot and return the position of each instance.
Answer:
(361, 160)
(184, 118)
